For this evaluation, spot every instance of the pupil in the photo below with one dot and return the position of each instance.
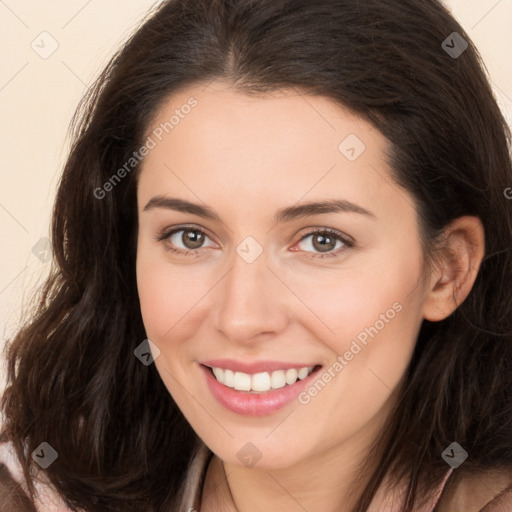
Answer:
(193, 239)
(323, 247)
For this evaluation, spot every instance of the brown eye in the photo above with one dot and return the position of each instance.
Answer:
(185, 240)
(324, 242)
(192, 238)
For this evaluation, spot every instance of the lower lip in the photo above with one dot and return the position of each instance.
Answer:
(254, 404)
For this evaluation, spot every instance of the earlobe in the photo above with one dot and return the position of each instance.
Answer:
(452, 281)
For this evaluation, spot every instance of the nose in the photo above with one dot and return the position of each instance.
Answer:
(250, 301)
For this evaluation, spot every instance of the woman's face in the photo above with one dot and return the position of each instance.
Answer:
(250, 282)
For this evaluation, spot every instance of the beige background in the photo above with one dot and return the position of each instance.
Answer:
(38, 96)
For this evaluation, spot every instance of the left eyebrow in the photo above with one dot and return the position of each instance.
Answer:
(319, 207)
(284, 215)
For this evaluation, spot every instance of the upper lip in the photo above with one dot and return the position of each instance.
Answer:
(255, 366)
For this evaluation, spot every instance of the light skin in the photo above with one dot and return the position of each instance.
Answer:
(246, 158)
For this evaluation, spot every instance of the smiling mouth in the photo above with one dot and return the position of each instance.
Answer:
(262, 382)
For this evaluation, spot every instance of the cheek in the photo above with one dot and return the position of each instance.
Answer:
(376, 326)
(153, 294)
(342, 304)
(168, 295)
(152, 289)
(368, 313)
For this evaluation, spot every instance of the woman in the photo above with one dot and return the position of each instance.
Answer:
(282, 273)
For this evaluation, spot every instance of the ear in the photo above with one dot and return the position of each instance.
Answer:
(455, 275)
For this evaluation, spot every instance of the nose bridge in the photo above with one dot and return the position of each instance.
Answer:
(245, 305)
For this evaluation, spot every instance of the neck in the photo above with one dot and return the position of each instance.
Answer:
(326, 481)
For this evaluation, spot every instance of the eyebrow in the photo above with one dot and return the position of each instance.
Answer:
(286, 214)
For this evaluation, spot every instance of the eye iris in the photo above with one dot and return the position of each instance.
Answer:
(192, 239)
(324, 247)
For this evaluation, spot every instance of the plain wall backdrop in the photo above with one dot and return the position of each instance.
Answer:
(50, 52)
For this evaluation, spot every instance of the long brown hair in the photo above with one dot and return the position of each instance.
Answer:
(73, 380)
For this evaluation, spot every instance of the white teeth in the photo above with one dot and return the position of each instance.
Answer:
(291, 376)
(303, 373)
(229, 378)
(242, 381)
(260, 382)
(277, 379)
(219, 374)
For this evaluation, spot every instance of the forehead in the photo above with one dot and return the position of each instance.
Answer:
(213, 141)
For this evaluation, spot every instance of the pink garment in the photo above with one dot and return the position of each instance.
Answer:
(49, 501)
(384, 500)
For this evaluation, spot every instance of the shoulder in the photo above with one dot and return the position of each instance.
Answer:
(13, 489)
(12, 497)
(489, 491)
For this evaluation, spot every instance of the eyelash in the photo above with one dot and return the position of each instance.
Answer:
(162, 236)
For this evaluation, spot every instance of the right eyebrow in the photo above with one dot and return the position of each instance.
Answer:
(181, 205)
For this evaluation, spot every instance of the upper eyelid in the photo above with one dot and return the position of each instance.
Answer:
(171, 231)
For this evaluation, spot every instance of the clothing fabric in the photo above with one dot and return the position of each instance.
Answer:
(384, 501)
(49, 501)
